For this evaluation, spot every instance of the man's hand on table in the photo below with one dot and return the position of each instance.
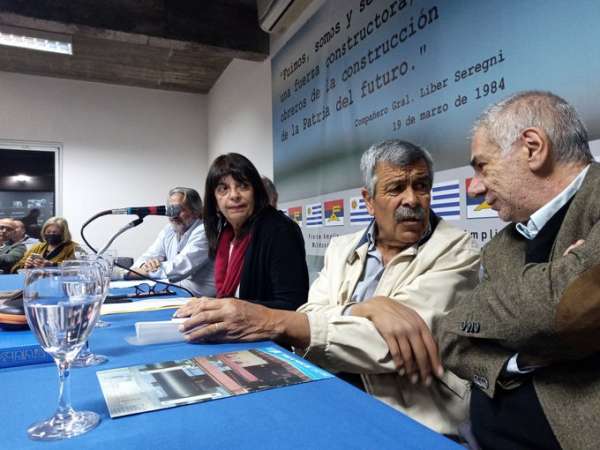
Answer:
(145, 269)
(234, 320)
(226, 319)
(408, 337)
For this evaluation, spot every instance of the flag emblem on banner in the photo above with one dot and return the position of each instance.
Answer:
(358, 211)
(295, 213)
(445, 199)
(477, 207)
(314, 215)
(334, 212)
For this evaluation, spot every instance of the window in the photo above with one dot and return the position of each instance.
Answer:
(29, 183)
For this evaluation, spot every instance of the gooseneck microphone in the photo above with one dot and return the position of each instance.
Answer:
(143, 211)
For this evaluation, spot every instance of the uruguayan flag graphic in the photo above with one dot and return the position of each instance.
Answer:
(445, 199)
(314, 215)
(358, 212)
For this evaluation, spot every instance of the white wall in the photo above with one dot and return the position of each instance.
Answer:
(240, 108)
(122, 146)
(127, 146)
(239, 114)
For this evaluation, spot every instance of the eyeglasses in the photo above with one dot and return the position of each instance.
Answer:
(147, 290)
(6, 228)
(143, 290)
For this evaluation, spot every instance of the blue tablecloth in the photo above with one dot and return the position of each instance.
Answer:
(322, 414)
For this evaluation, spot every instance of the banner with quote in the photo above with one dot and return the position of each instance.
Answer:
(362, 71)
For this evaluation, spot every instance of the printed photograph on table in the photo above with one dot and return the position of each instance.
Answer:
(295, 213)
(445, 199)
(358, 212)
(314, 215)
(334, 212)
(477, 207)
(150, 387)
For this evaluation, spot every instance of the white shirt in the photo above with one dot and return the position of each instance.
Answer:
(539, 218)
(184, 259)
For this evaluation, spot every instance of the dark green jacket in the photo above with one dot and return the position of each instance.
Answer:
(10, 254)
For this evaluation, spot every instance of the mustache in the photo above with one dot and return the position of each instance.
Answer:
(406, 213)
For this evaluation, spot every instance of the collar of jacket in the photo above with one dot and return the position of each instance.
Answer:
(359, 252)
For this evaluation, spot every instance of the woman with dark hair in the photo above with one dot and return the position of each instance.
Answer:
(259, 252)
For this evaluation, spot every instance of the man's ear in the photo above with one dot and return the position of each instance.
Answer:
(538, 148)
(368, 200)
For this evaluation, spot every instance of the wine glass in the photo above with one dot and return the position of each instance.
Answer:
(62, 305)
(106, 262)
(86, 358)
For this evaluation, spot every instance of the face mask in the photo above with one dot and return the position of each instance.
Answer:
(53, 239)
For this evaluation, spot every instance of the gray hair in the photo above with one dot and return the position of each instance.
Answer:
(395, 152)
(191, 199)
(504, 122)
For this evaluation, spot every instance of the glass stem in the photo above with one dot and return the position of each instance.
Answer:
(64, 388)
(85, 351)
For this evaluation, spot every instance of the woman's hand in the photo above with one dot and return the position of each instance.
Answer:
(34, 262)
(28, 262)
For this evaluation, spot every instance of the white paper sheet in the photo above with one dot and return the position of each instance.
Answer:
(144, 305)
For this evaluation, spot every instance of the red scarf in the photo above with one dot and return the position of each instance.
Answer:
(228, 268)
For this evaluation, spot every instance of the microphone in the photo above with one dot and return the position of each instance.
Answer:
(142, 211)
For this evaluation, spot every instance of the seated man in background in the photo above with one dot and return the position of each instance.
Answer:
(180, 252)
(20, 235)
(520, 336)
(31, 223)
(10, 251)
(408, 254)
(271, 191)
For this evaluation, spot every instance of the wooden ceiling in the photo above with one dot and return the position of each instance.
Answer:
(180, 45)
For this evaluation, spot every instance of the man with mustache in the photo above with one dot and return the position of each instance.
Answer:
(407, 254)
(180, 252)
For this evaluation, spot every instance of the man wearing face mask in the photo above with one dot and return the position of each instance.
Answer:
(180, 252)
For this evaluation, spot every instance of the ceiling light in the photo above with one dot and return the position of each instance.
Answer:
(21, 178)
(36, 40)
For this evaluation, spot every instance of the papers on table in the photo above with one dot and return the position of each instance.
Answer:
(157, 332)
(154, 386)
(151, 304)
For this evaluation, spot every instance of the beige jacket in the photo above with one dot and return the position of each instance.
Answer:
(427, 279)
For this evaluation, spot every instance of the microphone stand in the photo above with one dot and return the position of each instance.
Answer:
(132, 224)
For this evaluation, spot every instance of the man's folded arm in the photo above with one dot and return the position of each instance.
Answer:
(521, 313)
(341, 342)
(353, 344)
